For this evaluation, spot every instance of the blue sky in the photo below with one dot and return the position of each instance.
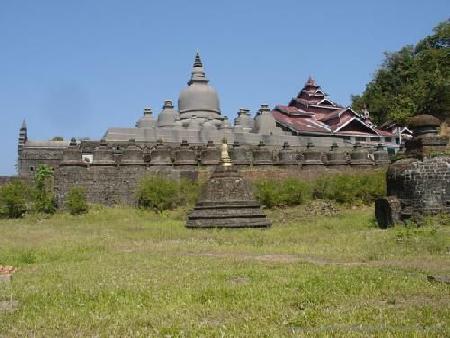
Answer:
(75, 68)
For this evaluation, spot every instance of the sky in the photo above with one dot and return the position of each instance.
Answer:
(76, 68)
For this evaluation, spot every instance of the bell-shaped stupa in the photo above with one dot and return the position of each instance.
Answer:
(227, 201)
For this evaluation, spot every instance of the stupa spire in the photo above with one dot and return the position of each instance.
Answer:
(198, 73)
(198, 61)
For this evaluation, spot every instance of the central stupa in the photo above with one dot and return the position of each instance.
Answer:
(227, 200)
(199, 99)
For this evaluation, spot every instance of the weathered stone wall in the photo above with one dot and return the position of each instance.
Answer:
(418, 183)
(111, 185)
(421, 186)
(272, 172)
(108, 185)
(113, 172)
(30, 159)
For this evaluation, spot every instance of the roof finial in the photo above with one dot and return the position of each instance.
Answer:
(198, 73)
(311, 81)
(197, 61)
(24, 125)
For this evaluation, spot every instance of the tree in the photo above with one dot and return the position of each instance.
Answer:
(414, 80)
(76, 201)
(13, 199)
(44, 199)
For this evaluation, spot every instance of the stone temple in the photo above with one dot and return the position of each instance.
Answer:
(418, 181)
(226, 200)
(311, 132)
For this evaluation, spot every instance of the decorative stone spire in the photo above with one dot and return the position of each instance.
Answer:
(147, 120)
(198, 98)
(23, 136)
(225, 159)
(198, 72)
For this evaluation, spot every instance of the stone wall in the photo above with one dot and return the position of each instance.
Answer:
(422, 186)
(108, 185)
(30, 158)
(111, 185)
(113, 171)
(418, 183)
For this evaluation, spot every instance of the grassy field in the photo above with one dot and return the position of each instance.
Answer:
(125, 272)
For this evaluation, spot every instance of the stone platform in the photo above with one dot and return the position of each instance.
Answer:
(227, 201)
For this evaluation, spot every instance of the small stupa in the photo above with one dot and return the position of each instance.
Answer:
(227, 200)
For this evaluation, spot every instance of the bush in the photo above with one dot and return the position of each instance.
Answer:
(342, 188)
(13, 199)
(44, 198)
(347, 189)
(76, 201)
(282, 193)
(159, 193)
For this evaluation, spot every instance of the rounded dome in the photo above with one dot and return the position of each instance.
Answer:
(168, 115)
(199, 99)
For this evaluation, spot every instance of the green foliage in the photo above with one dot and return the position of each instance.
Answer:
(13, 199)
(76, 201)
(287, 192)
(350, 189)
(44, 198)
(159, 193)
(414, 80)
(361, 188)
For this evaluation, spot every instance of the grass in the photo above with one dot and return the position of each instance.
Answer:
(126, 272)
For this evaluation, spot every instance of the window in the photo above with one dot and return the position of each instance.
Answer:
(388, 139)
(360, 139)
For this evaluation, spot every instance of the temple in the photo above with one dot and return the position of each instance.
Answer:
(312, 114)
(303, 130)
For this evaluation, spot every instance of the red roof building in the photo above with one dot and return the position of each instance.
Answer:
(311, 113)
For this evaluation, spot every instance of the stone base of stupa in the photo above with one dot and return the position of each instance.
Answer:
(227, 201)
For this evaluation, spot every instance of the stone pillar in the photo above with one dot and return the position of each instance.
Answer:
(72, 155)
(239, 155)
(359, 157)
(132, 155)
(312, 159)
(185, 156)
(103, 155)
(262, 155)
(336, 158)
(210, 155)
(381, 156)
(287, 157)
(161, 155)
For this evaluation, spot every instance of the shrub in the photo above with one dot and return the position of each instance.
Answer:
(76, 201)
(13, 199)
(342, 188)
(44, 198)
(282, 193)
(347, 188)
(159, 193)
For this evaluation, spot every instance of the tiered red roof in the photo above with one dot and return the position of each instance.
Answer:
(312, 112)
